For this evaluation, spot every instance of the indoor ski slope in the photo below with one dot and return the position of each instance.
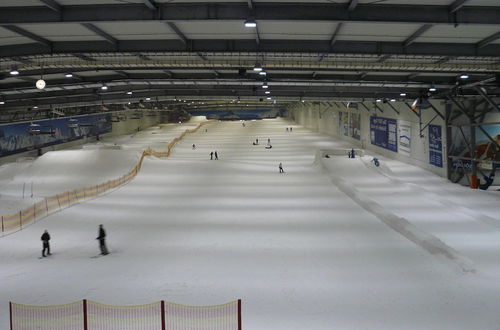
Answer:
(299, 251)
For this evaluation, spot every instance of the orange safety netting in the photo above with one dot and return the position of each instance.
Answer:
(50, 204)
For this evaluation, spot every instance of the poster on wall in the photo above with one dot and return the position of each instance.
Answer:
(404, 137)
(345, 123)
(383, 133)
(356, 126)
(21, 137)
(435, 146)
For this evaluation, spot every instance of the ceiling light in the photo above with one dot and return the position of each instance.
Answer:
(464, 76)
(68, 75)
(269, 98)
(432, 89)
(250, 23)
(40, 84)
(148, 99)
(35, 107)
(265, 85)
(104, 87)
(14, 72)
(402, 94)
(267, 92)
(393, 100)
(263, 73)
(2, 102)
(129, 93)
(257, 67)
(379, 100)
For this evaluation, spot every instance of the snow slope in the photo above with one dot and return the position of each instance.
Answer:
(294, 247)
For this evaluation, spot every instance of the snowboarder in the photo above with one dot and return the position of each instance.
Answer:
(46, 246)
(211, 155)
(268, 146)
(216, 156)
(375, 161)
(102, 241)
(281, 168)
(194, 146)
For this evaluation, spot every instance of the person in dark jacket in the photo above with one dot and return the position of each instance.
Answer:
(216, 155)
(46, 246)
(102, 240)
(211, 155)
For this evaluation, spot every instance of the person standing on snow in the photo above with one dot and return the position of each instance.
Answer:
(216, 156)
(280, 166)
(102, 240)
(211, 155)
(194, 146)
(46, 246)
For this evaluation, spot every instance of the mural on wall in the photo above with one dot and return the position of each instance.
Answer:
(383, 133)
(344, 123)
(240, 114)
(21, 137)
(356, 126)
(404, 137)
(435, 146)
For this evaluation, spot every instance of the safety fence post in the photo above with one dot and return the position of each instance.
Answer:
(239, 315)
(2, 225)
(21, 219)
(46, 205)
(163, 323)
(10, 313)
(34, 212)
(85, 323)
(58, 202)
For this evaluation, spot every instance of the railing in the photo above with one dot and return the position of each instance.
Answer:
(91, 315)
(18, 220)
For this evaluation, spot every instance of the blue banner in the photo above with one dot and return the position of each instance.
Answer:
(435, 146)
(384, 132)
(21, 137)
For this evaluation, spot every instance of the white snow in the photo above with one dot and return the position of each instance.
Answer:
(301, 250)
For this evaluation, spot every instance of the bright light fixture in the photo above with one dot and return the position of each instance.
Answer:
(68, 75)
(265, 85)
(263, 73)
(464, 76)
(250, 23)
(268, 98)
(104, 87)
(393, 100)
(14, 72)
(148, 99)
(267, 92)
(257, 67)
(35, 107)
(2, 102)
(432, 89)
(40, 84)
(402, 94)
(129, 93)
(379, 100)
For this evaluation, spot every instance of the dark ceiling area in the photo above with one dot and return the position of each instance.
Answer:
(95, 55)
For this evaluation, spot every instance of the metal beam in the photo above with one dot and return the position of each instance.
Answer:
(266, 45)
(393, 108)
(488, 40)
(456, 5)
(487, 98)
(151, 4)
(335, 33)
(383, 58)
(52, 4)
(352, 5)
(84, 57)
(178, 32)
(28, 35)
(101, 33)
(257, 35)
(443, 60)
(421, 30)
(271, 11)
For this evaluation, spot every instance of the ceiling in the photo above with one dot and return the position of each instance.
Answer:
(166, 50)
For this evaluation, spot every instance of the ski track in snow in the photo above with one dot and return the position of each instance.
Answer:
(297, 250)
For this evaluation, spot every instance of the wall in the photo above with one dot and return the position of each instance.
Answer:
(325, 119)
(119, 128)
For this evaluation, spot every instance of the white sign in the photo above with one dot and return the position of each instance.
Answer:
(404, 137)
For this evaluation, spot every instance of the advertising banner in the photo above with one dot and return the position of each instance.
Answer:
(404, 137)
(21, 137)
(435, 146)
(383, 133)
(356, 126)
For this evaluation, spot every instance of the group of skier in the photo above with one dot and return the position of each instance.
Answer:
(101, 236)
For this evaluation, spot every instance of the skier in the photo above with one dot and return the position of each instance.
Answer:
(375, 161)
(268, 141)
(216, 156)
(281, 168)
(268, 146)
(290, 129)
(46, 246)
(211, 155)
(287, 129)
(194, 146)
(256, 141)
(353, 154)
(102, 241)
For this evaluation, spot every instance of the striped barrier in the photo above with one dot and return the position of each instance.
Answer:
(54, 203)
(91, 315)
